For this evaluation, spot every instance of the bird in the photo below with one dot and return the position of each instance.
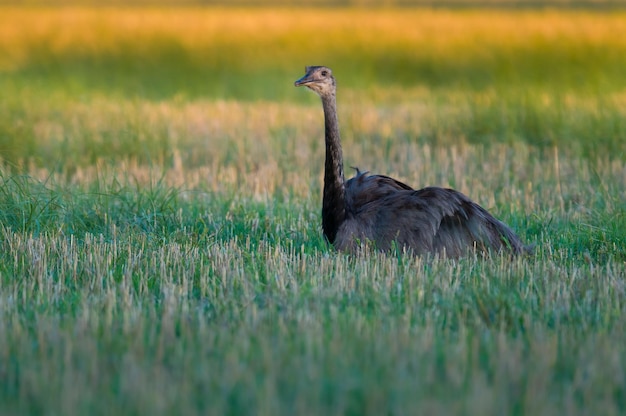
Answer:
(381, 212)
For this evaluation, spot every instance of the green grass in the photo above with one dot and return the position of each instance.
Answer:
(160, 194)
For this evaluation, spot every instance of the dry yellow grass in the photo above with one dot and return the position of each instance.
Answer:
(287, 34)
(258, 149)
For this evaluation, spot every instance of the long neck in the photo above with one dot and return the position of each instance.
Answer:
(334, 202)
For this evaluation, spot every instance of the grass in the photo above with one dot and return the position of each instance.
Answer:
(555, 80)
(160, 242)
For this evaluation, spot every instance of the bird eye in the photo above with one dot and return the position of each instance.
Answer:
(324, 73)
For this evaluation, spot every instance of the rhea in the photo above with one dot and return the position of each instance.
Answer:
(382, 212)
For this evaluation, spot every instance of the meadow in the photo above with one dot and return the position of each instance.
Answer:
(160, 196)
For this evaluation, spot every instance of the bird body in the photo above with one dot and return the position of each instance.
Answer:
(381, 211)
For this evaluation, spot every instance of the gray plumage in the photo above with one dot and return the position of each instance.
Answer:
(381, 211)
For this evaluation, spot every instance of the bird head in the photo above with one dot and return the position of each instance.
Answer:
(319, 79)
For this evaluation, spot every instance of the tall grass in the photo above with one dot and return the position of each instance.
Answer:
(160, 246)
(261, 319)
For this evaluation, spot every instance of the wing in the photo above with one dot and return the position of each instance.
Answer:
(429, 220)
(364, 189)
(464, 225)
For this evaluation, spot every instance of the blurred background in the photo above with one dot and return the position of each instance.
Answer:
(334, 3)
(543, 73)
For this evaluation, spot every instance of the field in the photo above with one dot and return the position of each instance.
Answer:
(160, 195)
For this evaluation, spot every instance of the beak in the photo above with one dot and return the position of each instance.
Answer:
(304, 80)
